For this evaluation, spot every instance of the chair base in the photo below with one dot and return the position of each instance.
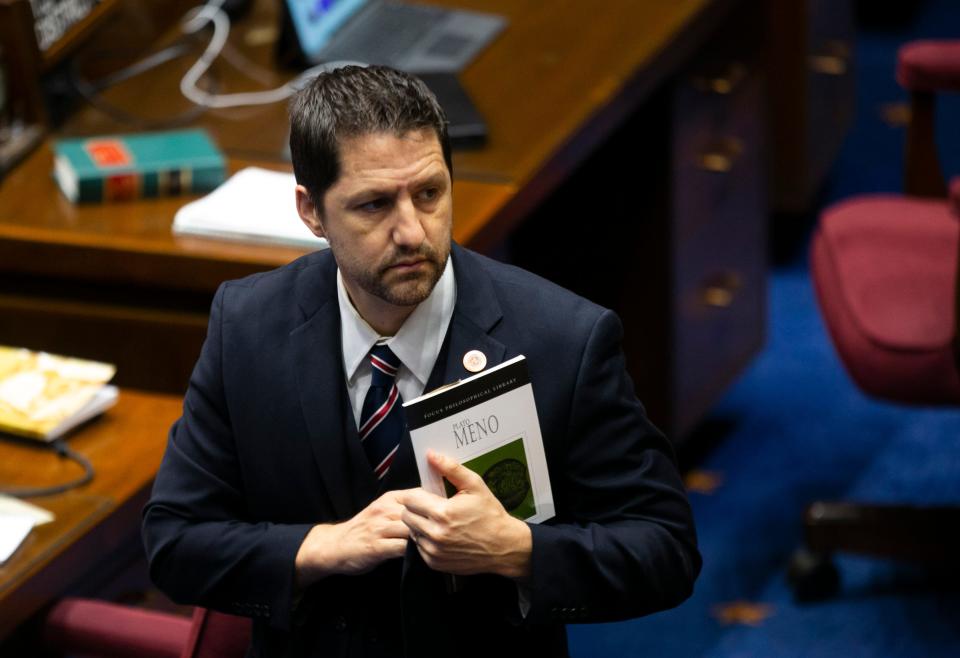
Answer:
(928, 535)
(812, 576)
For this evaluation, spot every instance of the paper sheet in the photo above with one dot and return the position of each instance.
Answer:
(17, 518)
(10, 506)
(13, 530)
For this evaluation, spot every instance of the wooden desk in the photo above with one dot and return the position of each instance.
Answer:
(565, 80)
(125, 446)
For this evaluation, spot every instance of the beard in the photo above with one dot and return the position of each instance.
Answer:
(403, 288)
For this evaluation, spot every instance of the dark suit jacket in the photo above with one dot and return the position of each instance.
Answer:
(267, 447)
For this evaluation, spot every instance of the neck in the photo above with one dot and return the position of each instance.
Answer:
(387, 324)
(385, 319)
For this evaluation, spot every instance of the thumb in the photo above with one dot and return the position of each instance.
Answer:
(458, 475)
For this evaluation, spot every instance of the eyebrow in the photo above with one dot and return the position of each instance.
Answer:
(436, 179)
(368, 194)
(376, 191)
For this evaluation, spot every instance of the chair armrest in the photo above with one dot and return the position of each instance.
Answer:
(99, 628)
(929, 66)
(954, 193)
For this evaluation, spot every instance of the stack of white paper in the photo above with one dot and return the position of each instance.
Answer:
(254, 205)
(17, 518)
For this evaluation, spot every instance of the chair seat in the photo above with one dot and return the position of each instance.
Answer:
(98, 628)
(885, 270)
(929, 66)
(78, 626)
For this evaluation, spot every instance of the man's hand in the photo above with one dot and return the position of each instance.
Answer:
(468, 533)
(356, 546)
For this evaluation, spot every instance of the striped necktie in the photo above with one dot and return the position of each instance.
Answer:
(381, 419)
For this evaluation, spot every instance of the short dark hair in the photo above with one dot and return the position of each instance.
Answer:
(349, 102)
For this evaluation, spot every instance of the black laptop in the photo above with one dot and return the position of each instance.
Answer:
(410, 37)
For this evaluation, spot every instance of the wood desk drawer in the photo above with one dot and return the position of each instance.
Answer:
(719, 306)
(719, 239)
(829, 78)
(808, 60)
(716, 147)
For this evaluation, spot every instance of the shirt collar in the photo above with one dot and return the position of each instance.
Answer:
(417, 344)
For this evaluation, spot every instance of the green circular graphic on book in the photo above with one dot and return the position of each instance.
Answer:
(508, 481)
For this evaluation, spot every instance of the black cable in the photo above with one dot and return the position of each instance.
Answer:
(66, 453)
(139, 67)
(90, 90)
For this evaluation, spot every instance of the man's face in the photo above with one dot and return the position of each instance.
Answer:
(388, 219)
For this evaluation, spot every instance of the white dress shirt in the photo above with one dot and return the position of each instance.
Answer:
(417, 344)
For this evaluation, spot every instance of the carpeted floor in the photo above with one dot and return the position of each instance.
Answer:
(795, 429)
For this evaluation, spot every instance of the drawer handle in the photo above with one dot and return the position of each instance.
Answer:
(722, 157)
(834, 61)
(720, 290)
(828, 64)
(723, 83)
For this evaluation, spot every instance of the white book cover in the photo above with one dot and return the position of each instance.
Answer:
(489, 423)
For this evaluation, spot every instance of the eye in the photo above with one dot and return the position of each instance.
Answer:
(374, 205)
(429, 194)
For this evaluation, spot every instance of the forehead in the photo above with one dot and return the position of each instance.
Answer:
(384, 155)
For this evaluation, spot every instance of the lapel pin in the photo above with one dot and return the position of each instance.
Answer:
(474, 361)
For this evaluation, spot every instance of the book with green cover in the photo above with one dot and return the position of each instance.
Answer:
(137, 165)
(488, 422)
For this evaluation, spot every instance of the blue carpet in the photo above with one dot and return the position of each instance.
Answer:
(795, 429)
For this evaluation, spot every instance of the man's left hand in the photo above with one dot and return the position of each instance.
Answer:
(470, 532)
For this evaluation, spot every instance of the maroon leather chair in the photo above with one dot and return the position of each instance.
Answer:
(98, 629)
(885, 270)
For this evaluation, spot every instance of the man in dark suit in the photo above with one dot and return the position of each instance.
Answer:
(270, 502)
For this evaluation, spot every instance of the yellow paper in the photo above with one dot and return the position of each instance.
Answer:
(40, 391)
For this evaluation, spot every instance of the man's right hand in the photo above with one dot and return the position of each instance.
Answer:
(356, 546)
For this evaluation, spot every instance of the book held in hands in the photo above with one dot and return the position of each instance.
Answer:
(488, 423)
(43, 396)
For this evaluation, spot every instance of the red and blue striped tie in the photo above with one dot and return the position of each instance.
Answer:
(381, 419)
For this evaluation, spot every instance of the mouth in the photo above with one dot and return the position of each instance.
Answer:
(408, 265)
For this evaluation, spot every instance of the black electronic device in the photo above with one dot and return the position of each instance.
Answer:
(405, 35)
(466, 126)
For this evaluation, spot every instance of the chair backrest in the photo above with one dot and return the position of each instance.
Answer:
(954, 192)
(925, 68)
(217, 635)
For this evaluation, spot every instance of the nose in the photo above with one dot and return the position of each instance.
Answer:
(408, 231)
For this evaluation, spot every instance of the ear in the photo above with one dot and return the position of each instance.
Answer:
(309, 213)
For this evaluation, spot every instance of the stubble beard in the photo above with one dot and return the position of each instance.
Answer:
(407, 289)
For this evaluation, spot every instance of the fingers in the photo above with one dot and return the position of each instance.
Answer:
(396, 494)
(419, 525)
(395, 530)
(381, 519)
(459, 476)
(423, 503)
(392, 501)
(394, 547)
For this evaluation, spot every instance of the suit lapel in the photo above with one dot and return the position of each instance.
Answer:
(476, 314)
(336, 448)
